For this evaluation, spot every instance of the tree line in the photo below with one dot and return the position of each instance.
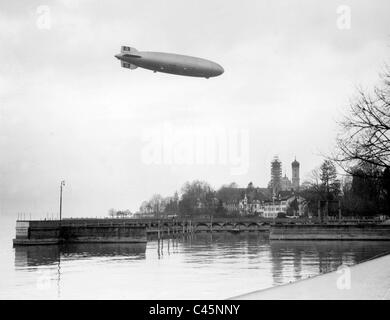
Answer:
(363, 154)
(363, 151)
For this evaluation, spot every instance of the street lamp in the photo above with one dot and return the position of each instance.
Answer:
(61, 185)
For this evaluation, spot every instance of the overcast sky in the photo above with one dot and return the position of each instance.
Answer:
(69, 111)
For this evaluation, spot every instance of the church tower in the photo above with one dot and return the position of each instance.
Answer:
(276, 175)
(295, 175)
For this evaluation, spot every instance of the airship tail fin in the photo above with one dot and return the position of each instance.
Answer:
(130, 50)
(128, 65)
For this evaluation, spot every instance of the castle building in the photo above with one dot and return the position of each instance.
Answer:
(285, 184)
(279, 183)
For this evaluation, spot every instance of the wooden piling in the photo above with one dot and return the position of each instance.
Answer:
(339, 211)
(319, 211)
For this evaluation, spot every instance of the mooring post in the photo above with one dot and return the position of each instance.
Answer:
(339, 210)
(319, 211)
(327, 211)
(62, 184)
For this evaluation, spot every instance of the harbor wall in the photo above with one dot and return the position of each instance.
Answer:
(57, 232)
(116, 233)
(330, 232)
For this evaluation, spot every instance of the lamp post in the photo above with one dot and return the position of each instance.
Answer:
(61, 185)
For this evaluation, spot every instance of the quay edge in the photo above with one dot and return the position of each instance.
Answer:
(77, 231)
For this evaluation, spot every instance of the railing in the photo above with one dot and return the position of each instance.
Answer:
(173, 220)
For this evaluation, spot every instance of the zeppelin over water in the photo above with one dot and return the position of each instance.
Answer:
(172, 63)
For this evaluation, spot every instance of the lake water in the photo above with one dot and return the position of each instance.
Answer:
(202, 266)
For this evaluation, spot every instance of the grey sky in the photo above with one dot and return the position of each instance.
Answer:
(69, 111)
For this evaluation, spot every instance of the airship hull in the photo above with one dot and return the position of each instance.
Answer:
(171, 63)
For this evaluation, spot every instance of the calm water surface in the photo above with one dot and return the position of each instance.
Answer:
(207, 266)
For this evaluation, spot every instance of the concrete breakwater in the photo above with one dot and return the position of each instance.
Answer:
(137, 230)
(330, 232)
(125, 230)
(78, 231)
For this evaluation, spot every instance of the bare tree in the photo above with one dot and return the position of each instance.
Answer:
(112, 212)
(365, 136)
(314, 181)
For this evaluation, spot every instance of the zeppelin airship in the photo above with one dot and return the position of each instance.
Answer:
(168, 63)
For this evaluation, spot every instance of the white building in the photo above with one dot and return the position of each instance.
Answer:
(271, 209)
(254, 207)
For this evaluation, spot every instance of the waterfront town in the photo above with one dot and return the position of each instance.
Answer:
(324, 193)
(279, 199)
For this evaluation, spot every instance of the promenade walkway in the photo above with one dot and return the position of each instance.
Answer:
(367, 280)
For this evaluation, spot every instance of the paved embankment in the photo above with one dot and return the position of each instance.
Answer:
(367, 280)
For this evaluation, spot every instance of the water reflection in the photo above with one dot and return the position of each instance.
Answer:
(288, 260)
(30, 256)
(211, 265)
(293, 260)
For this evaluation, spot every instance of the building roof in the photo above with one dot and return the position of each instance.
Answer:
(295, 163)
(229, 195)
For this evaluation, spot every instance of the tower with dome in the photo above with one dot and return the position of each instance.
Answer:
(295, 175)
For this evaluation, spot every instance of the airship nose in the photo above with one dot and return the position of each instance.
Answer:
(219, 70)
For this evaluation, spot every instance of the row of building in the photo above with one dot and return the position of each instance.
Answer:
(280, 198)
(260, 202)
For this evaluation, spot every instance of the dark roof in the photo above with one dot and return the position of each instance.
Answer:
(256, 194)
(227, 194)
(284, 195)
(295, 163)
